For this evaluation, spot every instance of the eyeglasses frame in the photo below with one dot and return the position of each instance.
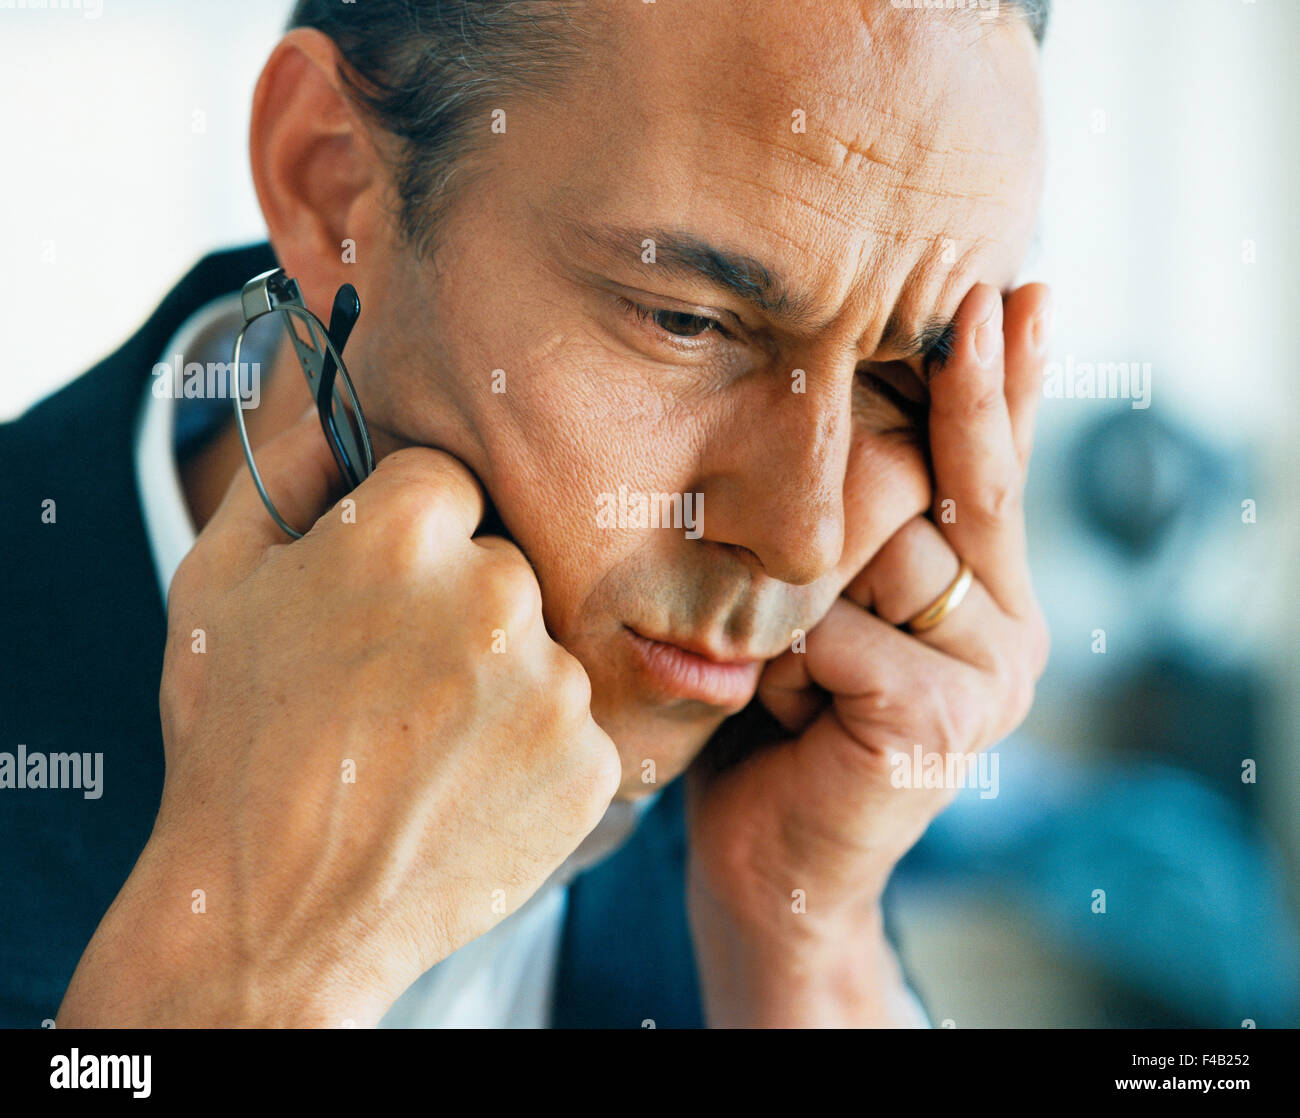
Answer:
(273, 292)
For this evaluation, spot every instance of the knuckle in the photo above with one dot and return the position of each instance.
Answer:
(584, 759)
(985, 401)
(416, 464)
(410, 509)
(440, 479)
(392, 532)
(406, 528)
(182, 688)
(998, 501)
(961, 725)
(509, 592)
(1027, 693)
(608, 775)
(570, 688)
(882, 709)
(187, 579)
(600, 768)
(1021, 696)
(595, 776)
(1015, 675)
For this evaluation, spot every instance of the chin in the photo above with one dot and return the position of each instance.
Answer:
(671, 749)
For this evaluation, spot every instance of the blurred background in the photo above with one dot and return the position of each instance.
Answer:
(1140, 865)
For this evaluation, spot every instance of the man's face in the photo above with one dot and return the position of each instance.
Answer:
(876, 162)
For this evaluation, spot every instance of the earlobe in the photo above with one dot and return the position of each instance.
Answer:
(314, 166)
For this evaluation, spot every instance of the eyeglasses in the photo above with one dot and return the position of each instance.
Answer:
(321, 355)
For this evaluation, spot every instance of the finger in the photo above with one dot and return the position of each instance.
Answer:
(917, 565)
(789, 693)
(978, 478)
(507, 549)
(499, 543)
(435, 485)
(888, 685)
(298, 471)
(1028, 312)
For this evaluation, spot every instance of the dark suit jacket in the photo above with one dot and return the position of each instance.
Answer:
(82, 658)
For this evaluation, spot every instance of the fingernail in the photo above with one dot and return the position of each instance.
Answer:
(1041, 329)
(988, 335)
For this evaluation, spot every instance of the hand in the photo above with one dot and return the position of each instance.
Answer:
(355, 779)
(817, 815)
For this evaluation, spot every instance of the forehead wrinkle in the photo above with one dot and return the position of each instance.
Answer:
(899, 161)
(909, 159)
(898, 135)
(863, 209)
(909, 299)
(935, 177)
(865, 284)
(881, 223)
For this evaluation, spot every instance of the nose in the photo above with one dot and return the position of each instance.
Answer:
(774, 482)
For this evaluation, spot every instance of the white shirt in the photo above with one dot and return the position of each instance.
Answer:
(506, 977)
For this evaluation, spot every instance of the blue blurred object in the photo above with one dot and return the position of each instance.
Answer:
(1140, 477)
(1194, 914)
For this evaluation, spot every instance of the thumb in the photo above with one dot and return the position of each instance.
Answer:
(299, 474)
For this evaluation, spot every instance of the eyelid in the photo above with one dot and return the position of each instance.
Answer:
(654, 301)
(646, 313)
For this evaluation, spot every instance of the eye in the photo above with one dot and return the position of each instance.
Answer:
(678, 324)
(892, 389)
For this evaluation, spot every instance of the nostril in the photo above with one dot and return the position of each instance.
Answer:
(740, 552)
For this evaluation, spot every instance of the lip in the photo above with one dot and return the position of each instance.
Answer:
(689, 673)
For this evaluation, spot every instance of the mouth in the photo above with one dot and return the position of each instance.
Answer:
(698, 672)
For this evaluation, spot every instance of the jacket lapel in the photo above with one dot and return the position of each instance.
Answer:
(82, 657)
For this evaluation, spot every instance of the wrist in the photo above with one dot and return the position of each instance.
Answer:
(158, 961)
(833, 971)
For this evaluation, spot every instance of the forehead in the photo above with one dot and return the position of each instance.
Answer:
(848, 144)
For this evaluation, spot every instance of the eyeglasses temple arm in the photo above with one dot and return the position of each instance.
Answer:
(343, 316)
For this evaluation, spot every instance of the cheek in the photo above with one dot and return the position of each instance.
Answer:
(565, 420)
(888, 484)
(569, 434)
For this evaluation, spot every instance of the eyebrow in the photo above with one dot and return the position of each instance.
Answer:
(687, 256)
(933, 343)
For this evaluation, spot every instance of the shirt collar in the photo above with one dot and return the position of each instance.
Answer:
(167, 520)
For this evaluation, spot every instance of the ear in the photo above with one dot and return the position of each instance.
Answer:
(319, 178)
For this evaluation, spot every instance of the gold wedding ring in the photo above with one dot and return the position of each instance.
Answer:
(944, 604)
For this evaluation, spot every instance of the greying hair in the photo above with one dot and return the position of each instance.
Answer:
(425, 70)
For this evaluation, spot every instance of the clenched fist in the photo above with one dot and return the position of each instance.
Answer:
(372, 739)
